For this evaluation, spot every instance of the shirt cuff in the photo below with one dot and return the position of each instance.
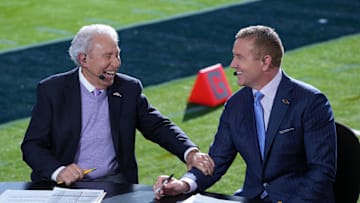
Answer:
(188, 151)
(56, 173)
(192, 184)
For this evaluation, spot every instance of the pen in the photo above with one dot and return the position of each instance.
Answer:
(164, 183)
(85, 172)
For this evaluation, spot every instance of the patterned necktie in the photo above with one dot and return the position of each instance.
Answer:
(97, 92)
(260, 125)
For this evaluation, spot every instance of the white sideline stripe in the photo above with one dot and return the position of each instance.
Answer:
(357, 132)
(147, 22)
(54, 30)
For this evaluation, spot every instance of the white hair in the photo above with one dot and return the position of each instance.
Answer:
(82, 41)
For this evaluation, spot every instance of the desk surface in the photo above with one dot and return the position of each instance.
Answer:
(115, 192)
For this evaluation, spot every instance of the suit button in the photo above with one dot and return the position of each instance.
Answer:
(265, 185)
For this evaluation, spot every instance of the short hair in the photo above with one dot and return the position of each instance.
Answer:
(266, 40)
(82, 42)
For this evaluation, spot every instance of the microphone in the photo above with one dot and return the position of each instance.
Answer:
(101, 77)
(237, 73)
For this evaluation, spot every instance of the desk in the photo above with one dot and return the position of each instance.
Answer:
(116, 192)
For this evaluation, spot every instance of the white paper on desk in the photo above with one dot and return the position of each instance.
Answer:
(25, 196)
(133, 197)
(198, 198)
(64, 195)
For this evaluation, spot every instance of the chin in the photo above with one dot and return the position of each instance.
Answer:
(240, 83)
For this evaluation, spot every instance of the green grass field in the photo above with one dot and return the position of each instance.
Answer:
(333, 67)
(25, 22)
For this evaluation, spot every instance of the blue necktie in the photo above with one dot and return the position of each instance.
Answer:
(260, 124)
(260, 128)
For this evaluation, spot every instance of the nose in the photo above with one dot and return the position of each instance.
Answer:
(233, 63)
(116, 61)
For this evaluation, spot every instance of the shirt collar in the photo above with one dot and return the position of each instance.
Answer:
(85, 82)
(269, 90)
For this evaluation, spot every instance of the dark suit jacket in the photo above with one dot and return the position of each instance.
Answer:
(300, 149)
(53, 134)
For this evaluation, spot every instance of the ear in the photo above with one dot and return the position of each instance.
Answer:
(82, 59)
(266, 61)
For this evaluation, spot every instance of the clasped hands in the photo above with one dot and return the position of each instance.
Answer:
(197, 159)
(201, 161)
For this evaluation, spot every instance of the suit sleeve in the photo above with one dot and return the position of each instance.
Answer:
(36, 146)
(221, 150)
(159, 129)
(320, 151)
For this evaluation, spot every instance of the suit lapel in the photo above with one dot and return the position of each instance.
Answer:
(72, 99)
(282, 102)
(115, 99)
(247, 119)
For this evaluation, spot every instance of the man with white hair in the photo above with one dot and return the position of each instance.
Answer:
(87, 118)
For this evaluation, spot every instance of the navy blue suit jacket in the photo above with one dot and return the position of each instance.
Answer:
(300, 147)
(53, 134)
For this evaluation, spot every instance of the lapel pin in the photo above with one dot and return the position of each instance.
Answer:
(117, 94)
(285, 101)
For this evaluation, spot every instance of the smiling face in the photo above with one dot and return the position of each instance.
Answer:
(249, 66)
(103, 58)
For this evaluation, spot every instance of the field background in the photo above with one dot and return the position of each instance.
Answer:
(332, 66)
(27, 22)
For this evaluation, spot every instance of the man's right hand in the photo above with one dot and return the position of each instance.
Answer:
(201, 161)
(172, 188)
(70, 174)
